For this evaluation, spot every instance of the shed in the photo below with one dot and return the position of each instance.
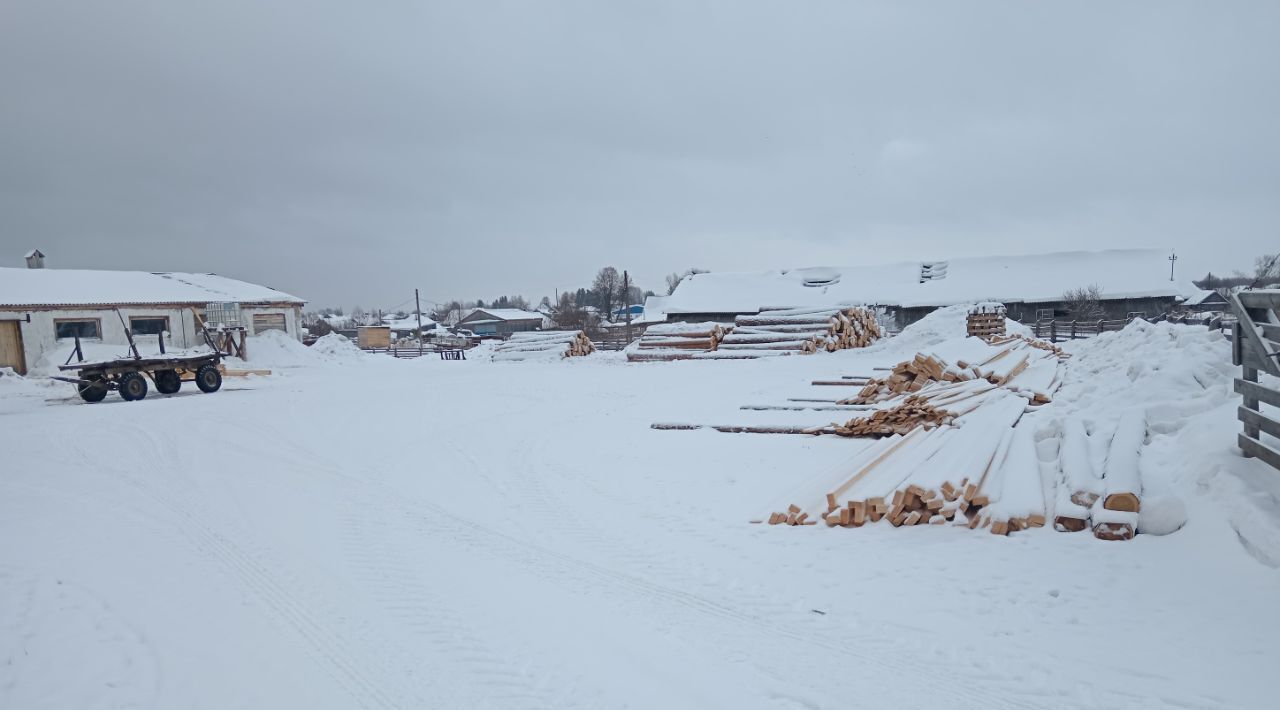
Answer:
(501, 321)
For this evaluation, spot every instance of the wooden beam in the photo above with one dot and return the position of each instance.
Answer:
(1253, 336)
(1259, 420)
(1253, 390)
(1253, 447)
(1259, 298)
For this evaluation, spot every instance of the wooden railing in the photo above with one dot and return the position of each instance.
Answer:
(1256, 349)
(1056, 330)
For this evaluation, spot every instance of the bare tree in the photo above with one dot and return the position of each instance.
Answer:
(1266, 269)
(608, 288)
(568, 314)
(1084, 303)
(673, 280)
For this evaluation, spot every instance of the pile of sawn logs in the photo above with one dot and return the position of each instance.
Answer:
(983, 473)
(543, 345)
(1014, 357)
(800, 331)
(677, 341)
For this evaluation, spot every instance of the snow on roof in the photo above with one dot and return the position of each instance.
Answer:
(1202, 297)
(410, 323)
(655, 310)
(68, 287)
(509, 314)
(1120, 273)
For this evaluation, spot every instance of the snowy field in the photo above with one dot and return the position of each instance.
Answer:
(355, 531)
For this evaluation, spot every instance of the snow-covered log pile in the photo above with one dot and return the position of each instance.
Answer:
(677, 341)
(986, 320)
(799, 331)
(1020, 364)
(544, 345)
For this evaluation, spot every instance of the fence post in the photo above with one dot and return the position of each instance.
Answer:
(1251, 430)
(1053, 331)
(1073, 330)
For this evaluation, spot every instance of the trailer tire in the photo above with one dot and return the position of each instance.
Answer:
(132, 386)
(95, 392)
(167, 381)
(208, 378)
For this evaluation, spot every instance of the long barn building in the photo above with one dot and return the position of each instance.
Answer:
(43, 310)
(1130, 282)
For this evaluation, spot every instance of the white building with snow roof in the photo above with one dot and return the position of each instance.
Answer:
(1129, 281)
(42, 309)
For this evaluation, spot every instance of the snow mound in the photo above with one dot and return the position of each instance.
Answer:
(948, 323)
(274, 349)
(1175, 371)
(337, 348)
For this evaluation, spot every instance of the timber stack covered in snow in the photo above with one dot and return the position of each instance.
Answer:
(799, 331)
(678, 341)
(544, 345)
(986, 320)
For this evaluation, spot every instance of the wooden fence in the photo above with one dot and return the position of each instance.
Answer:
(1056, 330)
(1256, 349)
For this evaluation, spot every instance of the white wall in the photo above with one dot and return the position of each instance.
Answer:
(39, 336)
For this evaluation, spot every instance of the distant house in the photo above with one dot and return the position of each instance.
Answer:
(41, 309)
(1205, 301)
(636, 311)
(1130, 281)
(501, 321)
(407, 327)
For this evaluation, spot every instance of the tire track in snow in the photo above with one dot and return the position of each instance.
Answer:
(344, 664)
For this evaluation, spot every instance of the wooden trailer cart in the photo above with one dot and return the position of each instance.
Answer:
(128, 376)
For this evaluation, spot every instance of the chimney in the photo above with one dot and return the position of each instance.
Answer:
(35, 259)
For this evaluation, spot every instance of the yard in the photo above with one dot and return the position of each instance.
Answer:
(358, 531)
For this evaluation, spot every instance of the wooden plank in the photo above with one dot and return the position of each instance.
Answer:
(1270, 332)
(1259, 421)
(1253, 390)
(1249, 357)
(1259, 298)
(1255, 448)
(1253, 337)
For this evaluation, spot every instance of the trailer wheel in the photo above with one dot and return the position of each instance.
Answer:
(167, 381)
(208, 378)
(95, 391)
(132, 386)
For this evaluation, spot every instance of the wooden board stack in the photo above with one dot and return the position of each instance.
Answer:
(677, 341)
(544, 344)
(986, 320)
(800, 331)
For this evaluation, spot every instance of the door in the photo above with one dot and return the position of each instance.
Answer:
(268, 321)
(11, 347)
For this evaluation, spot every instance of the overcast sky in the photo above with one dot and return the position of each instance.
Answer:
(347, 152)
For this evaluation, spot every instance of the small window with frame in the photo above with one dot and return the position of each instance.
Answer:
(1044, 314)
(148, 325)
(83, 328)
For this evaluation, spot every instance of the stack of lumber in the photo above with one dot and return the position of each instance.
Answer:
(801, 331)
(1018, 364)
(544, 345)
(677, 341)
(1033, 342)
(986, 320)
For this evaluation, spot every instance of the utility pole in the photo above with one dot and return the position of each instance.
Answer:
(626, 301)
(417, 307)
(1173, 256)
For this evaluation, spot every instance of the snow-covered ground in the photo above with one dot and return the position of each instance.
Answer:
(358, 531)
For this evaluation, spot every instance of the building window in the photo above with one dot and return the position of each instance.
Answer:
(268, 321)
(1044, 314)
(83, 328)
(148, 325)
